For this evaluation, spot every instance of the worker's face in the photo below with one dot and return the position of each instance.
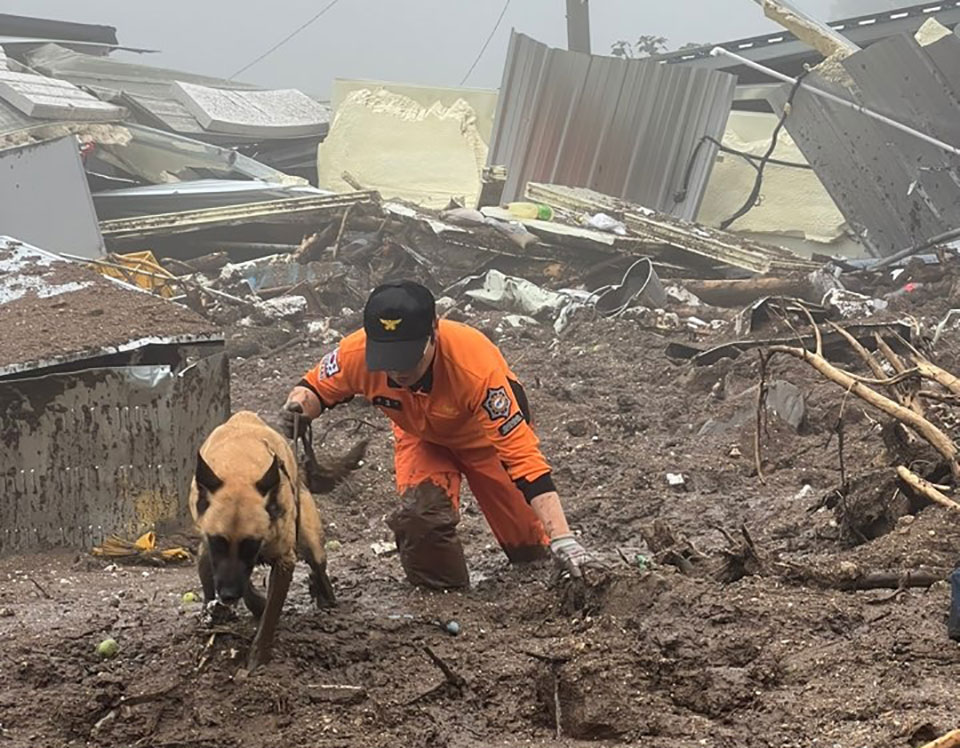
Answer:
(412, 376)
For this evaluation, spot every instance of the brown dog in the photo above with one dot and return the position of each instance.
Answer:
(248, 510)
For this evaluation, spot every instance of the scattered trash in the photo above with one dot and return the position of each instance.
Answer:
(539, 211)
(640, 285)
(675, 480)
(852, 305)
(383, 548)
(603, 222)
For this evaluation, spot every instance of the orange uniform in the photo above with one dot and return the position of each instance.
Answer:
(468, 415)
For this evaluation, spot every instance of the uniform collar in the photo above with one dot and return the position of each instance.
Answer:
(424, 384)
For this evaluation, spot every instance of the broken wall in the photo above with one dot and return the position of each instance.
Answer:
(793, 210)
(393, 144)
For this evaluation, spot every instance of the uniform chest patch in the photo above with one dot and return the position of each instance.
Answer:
(387, 402)
(497, 403)
(330, 364)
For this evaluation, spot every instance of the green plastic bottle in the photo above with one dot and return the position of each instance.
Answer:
(530, 210)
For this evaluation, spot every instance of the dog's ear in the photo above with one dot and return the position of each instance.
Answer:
(270, 479)
(207, 483)
(269, 488)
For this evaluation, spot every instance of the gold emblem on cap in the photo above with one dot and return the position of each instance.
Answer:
(391, 324)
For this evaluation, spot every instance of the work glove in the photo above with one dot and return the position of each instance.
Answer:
(572, 556)
(289, 422)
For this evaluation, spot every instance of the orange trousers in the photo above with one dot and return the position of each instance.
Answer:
(514, 524)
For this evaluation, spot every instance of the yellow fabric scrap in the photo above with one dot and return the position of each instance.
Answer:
(144, 547)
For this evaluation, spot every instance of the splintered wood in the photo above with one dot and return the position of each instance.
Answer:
(902, 401)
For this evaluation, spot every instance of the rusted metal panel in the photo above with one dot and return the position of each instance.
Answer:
(627, 128)
(108, 450)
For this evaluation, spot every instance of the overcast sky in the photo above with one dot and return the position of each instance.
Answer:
(416, 41)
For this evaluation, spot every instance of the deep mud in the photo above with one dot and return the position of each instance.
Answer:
(648, 656)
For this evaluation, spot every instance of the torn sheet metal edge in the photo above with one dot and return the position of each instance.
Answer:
(108, 350)
(194, 220)
(747, 318)
(734, 348)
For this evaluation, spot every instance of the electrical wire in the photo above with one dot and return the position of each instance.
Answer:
(487, 42)
(285, 39)
(764, 160)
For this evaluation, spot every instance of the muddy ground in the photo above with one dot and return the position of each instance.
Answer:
(649, 656)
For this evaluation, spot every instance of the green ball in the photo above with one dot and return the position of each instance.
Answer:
(190, 597)
(333, 545)
(108, 648)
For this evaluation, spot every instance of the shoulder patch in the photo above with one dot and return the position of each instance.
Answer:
(497, 403)
(330, 364)
(509, 425)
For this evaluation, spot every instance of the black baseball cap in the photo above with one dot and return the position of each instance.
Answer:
(398, 320)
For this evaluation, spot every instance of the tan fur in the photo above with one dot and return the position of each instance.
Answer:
(240, 451)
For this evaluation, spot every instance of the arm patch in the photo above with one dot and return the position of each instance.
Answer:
(330, 364)
(497, 403)
(510, 424)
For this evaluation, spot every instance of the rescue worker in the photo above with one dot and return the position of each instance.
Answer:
(457, 410)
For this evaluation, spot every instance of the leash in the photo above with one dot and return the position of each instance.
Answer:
(296, 477)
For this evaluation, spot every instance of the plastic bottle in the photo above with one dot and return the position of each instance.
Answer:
(530, 210)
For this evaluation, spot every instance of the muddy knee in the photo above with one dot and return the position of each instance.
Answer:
(425, 526)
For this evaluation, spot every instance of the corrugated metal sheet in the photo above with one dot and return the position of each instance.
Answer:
(894, 190)
(104, 450)
(626, 128)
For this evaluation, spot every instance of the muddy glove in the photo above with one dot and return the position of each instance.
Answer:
(288, 419)
(572, 556)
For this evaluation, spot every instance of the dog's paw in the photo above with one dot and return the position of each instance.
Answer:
(215, 613)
